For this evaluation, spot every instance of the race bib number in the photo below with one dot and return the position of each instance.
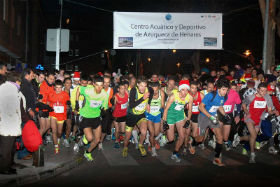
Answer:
(154, 109)
(179, 107)
(214, 109)
(227, 108)
(58, 109)
(95, 104)
(195, 109)
(141, 107)
(123, 106)
(260, 104)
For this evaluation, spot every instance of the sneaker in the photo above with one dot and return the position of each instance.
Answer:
(252, 158)
(157, 145)
(81, 142)
(56, 150)
(176, 157)
(48, 139)
(85, 141)
(202, 146)
(66, 143)
(154, 153)
(142, 150)
(236, 140)
(185, 151)
(100, 147)
(218, 162)
(113, 136)
(58, 141)
(244, 151)
(163, 141)
(125, 152)
(88, 156)
(108, 137)
(192, 150)
(263, 143)
(272, 150)
(76, 147)
(212, 144)
(257, 146)
(117, 145)
(227, 146)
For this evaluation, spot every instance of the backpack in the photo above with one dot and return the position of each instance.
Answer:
(31, 136)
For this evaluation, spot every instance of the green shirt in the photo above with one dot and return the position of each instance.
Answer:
(94, 102)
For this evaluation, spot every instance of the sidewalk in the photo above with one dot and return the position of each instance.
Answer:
(54, 165)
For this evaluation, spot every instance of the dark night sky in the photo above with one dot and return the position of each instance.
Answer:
(242, 29)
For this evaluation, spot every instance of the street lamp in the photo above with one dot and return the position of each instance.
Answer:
(67, 21)
(247, 53)
(106, 51)
(178, 64)
(149, 59)
(174, 51)
(207, 60)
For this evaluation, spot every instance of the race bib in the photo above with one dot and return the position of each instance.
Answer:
(195, 109)
(58, 109)
(154, 109)
(95, 104)
(227, 108)
(214, 109)
(141, 107)
(259, 104)
(179, 107)
(123, 106)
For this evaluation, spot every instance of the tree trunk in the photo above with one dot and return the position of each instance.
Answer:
(195, 60)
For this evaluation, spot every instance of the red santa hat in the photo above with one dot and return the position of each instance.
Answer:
(76, 75)
(184, 84)
(271, 88)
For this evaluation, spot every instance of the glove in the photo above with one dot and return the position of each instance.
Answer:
(187, 124)
(77, 106)
(165, 126)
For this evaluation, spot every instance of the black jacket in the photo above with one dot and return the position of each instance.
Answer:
(29, 93)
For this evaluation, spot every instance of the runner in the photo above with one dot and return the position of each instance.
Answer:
(212, 102)
(254, 107)
(154, 117)
(193, 130)
(170, 87)
(139, 101)
(174, 116)
(67, 89)
(60, 102)
(96, 101)
(210, 88)
(233, 100)
(119, 113)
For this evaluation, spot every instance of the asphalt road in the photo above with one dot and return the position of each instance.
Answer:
(109, 168)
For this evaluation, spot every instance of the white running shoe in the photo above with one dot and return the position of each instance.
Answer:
(100, 147)
(76, 147)
(236, 140)
(252, 158)
(272, 150)
(154, 152)
(175, 157)
(212, 144)
(202, 146)
(66, 143)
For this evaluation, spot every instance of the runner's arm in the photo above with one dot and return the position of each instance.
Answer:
(162, 98)
(203, 110)
(132, 97)
(168, 104)
(190, 108)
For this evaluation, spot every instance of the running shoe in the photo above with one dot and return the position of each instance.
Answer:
(125, 152)
(154, 152)
(58, 141)
(218, 162)
(76, 147)
(258, 146)
(100, 147)
(244, 151)
(185, 151)
(192, 150)
(212, 144)
(202, 146)
(176, 157)
(66, 143)
(272, 150)
(88, 156)
(117, 145)
(157, 145)
(108, 137)
(236, 140)
(163, 141)
(56, 150)
(85, 141)
(142, 150)
(252, 159)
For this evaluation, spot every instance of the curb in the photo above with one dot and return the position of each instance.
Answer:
(36, 177)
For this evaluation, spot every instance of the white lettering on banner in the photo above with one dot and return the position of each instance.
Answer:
(214, 109)
(259, 104)
(58, 109)
(124, 106)
(95, 104)
(195, 109)
(227, 108)
(154, 109)
(179, 107)
(141, 107)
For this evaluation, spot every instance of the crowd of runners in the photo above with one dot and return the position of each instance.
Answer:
(221, 108)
